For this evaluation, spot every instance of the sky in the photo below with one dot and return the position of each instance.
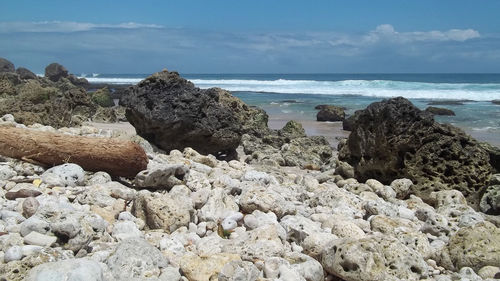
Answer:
(259, 36)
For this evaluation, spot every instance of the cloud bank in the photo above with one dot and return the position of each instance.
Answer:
(138, 47)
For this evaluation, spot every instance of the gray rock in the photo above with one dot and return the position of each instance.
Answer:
(30, 206)
(6, 172)
(13, 253)
(25, 73)
(36, 224)
(259, 243)
(6, 66)
(402, 187)
(125, 229)
(219, 205)
(64, 175)
(309, 268)
(136, 259)
(35, 238)
(162, 177)
(299, 228)
(373, 258)
(490, 202)
(73, 269)
(260, 177)
(330, 113)
(265, 200)
(239, 271)
(99, 178)
(55, 72)
(161, 211)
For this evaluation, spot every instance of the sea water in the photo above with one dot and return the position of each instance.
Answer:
(294, 96)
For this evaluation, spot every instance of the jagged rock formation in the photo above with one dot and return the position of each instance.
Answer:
(172, 113)
(330, 113)
(394, 139)
(54, 101)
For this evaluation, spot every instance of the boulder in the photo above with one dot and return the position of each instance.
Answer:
(172, 113)
(440, 111)
(330, 113)
(102, 97)
(6, 66)
(475, 247)
(393, 139)
(25, 73)
(105, 115)
(55, 72)
(495, 102)
(373, 258)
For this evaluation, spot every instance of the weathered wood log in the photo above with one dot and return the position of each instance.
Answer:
(114, 156)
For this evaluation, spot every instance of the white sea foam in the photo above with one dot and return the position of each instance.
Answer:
(116, 81)
(370, 88)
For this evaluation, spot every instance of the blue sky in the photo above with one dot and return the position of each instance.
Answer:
(271, 36)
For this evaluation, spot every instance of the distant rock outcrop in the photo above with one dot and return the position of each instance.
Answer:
(56, 102)
(394, 139)
(330, 113)
(440, 111)
(6, 66)
(172, 113)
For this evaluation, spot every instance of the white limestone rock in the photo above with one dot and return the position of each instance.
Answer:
(73, 269)
(35, 238)
(64, 175)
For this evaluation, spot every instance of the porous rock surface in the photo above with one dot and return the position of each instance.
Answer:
(190, 216)
(330, 113)
(172, 113)
(393, 139)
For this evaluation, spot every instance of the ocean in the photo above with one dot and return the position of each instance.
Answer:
(294, 96)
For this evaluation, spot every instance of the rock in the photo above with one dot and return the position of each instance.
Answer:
(172, 113)
(308, 268)
(125, 230)
(36, 224)
(64, 175)
(6, 66)
(446, 102)
(207, 268)
(105, 115)
(394, 139)
(136, 259)
(475, 247)
(73, 269)
(239, 271)
(490, 202)
(440, 111)
(161, 177)
(299, 228)
(402, 187)
(99, 178)
(22, 193)
(495, 101)
(35, 238)
(373, 258)
(55, 72)
(160, 211)
(80, 82)
(6, 172)
(315, 243)
(494, 153)
(264, 199)
(30, 206)
(13, 253)
(488, 271)
(330, 113)
(102, 97)
(307, 152)
(260, 243)
(25, 73)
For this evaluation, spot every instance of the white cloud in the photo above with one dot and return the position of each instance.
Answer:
(387, 32)
(66, 26)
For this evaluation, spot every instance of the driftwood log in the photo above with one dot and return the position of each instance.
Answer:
(114, 156)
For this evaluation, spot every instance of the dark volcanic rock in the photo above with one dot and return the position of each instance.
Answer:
(495, 102)
(25, 73)
(6, 66)
(172, 113)
(348, 123)
(394, 139)
(440, 111)
(80, 82)
(330, 113)
(55, 71)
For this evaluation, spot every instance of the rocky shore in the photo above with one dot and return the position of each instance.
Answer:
(264, 205)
